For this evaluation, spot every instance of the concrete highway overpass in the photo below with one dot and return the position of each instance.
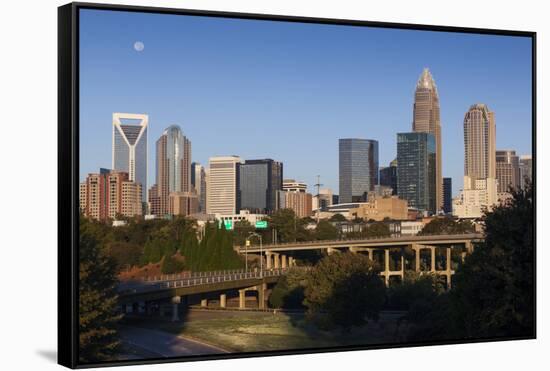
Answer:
(383, 251)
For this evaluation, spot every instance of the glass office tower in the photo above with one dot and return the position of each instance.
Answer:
(259, 181)
(130, 147)
(173, 164)
(358, 168)
(416, 170)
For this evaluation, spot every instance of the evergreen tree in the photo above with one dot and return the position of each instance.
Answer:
(98, 340)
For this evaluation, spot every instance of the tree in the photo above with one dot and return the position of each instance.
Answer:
(493, 291)
(414, 289)
(98, 340)
(344, 290)
(241, 231)
(289, 227)
(337, 218)
(377, 229)
(326, 231)
(447, 225)
(125, 254)
(171, 265)
(288, 293)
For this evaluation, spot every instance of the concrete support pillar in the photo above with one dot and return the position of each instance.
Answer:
(369, 251)
(387, 266)
(402, 265)
(291, 261)
(176, 300)
(204, 303)
(469, 246)
(268, 260)
(448, 269)
(261, 295)
(242, 299)
(283, 261)
(432, 250)
(223, 300)
(416, 249)
(276, 261)
(332, 250)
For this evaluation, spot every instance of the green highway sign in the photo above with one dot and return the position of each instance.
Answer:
(261, 224)
(228, 224)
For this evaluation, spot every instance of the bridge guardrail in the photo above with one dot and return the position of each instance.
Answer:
(197, 281)
(299, 243)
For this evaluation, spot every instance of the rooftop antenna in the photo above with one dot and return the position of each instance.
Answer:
(318, 186)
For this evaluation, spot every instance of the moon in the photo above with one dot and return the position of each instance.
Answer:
(139, 46)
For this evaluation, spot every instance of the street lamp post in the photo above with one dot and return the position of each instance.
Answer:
(246, 244)
(261, 252)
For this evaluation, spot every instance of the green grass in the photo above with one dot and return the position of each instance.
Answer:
(250, 332)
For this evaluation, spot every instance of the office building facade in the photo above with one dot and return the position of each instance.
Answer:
(388, 176)
(173, 171)
(507, 170)
(416, 170)
(358, 168)
(222, 185)
(525, 170)
(198, 182)
(259, 182)
(479, 143)
(447, 195)
(183, 203)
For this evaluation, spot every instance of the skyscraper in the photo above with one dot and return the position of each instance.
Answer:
(259, 181)
(130, 147)
(173, 165)
(222, 185)
(416, 168)
(426, 119)
(388, 176)
(198, 181)
(480, 185)
(447, 195)
(507, 169)
(479, 143)
(358, 168)
(525, 170)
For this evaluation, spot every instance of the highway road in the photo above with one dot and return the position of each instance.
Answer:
(165, 344)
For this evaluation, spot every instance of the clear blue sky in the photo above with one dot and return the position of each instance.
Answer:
(288, 91)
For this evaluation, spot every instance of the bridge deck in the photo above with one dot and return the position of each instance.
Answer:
(145, 291)
(367, 242)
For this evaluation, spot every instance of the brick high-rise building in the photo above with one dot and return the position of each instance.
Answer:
(294, 196)
(183, 203)
(108, 194)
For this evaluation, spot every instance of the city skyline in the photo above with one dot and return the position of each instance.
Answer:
(313, 90)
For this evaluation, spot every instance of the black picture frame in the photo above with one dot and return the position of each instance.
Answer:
(68, 172)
